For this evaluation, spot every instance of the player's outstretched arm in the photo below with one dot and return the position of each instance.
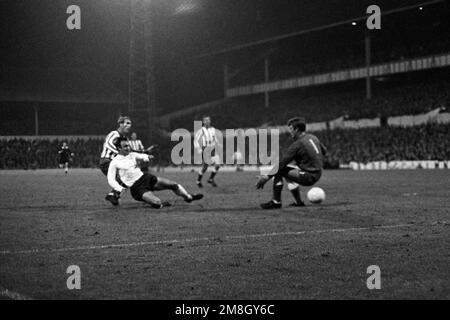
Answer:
(286, 159)
(151, 148)
(146, 151)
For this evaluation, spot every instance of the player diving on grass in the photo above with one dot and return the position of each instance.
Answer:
(306, 152)
(127, 166)
(65, 155)
(204, 138)
(110, 151)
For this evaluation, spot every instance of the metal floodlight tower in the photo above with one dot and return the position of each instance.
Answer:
(141, 94)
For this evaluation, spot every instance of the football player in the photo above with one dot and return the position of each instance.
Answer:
(142, 185)
(65, 155)
(307, 153)
(110, 151)
(206, 137)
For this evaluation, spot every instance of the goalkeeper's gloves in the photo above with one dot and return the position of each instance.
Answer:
(262, 181)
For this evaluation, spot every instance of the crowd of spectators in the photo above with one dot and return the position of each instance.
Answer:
(325, 104)
(33, 154)
(427, 142)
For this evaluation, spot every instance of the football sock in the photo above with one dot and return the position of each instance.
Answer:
(277, 188)
(200, 176)
(296, 194)
(180, 191)
(213, 174)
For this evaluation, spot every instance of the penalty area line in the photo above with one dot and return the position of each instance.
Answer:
(206, 239)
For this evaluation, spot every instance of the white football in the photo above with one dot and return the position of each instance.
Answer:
(316, 195)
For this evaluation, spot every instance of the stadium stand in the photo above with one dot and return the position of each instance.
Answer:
(33, 154)
(426, 142)
(400, 95)
(334, 49)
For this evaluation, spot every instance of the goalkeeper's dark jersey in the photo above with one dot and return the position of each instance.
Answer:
(307, 152)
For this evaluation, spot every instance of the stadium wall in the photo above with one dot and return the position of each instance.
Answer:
(54, 137)
(394, 165)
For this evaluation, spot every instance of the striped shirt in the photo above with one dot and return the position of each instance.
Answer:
(205, 137)
(136, 145)
(109, 149)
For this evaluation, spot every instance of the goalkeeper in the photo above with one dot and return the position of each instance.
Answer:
(307, 153)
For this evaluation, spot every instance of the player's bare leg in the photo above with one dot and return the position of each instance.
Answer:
(200, 175)
(178, 189)
(213, 174)
(153, 200)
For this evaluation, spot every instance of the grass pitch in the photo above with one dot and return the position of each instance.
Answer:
(224, 246)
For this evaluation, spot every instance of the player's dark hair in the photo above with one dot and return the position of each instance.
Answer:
(298, 123)
(203, 119)
(118, 141)
(122, 119)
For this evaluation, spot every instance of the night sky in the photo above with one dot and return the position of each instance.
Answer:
(42, 60)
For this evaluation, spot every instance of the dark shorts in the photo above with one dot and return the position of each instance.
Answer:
(144, 184)
(104, 165)
(63, 160)
(303, 178)
(308, 178)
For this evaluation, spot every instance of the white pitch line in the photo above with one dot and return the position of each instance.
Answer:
(12, 295)
(245, 236)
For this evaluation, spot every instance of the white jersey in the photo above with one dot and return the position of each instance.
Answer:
(136, 145)
(109, 149)
(205, 137)
(127, 168)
